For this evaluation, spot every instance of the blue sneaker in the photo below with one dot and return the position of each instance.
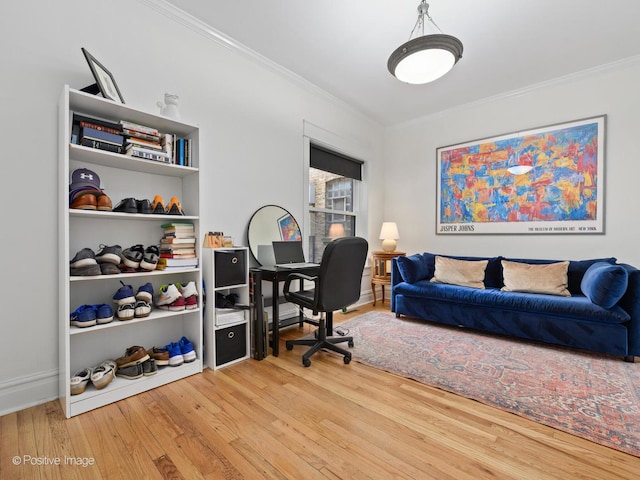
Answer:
(145, 292)
(84, 316)
(175, 354)
(104, 313)
(124, 295)
(186, 348)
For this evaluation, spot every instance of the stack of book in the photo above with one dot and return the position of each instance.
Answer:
(144, 142)
(97, 133)
(178, 246)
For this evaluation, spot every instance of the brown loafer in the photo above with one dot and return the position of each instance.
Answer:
(104, 203)
(85, 201)
(132, 356)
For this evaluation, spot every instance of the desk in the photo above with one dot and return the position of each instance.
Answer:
(381, 273)
(276, 275)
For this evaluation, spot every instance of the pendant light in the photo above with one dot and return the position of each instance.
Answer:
(427, 57)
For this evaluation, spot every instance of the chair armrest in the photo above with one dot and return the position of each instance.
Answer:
(297, 276)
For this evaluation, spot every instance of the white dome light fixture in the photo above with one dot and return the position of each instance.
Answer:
(427, 57)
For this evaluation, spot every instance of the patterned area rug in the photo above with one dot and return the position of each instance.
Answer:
(592, 396)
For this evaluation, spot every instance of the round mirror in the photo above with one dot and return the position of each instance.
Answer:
(268, 224)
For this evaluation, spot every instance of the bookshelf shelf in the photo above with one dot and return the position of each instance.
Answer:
(121, 176)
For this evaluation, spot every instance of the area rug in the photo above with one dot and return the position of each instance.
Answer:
(592, 396)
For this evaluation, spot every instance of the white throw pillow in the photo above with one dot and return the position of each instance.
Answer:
(551, 278)
(467, 273)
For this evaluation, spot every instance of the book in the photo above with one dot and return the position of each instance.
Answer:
(177, 255)
(180, 152)
(79, 118)
(178, 262)
(100, 145)
(94, 134)
(145, 136)
(141, 142)
(139, 128)
(96, 126)
(178, 225)
(167, 143)
(147, 154)
(171, 240)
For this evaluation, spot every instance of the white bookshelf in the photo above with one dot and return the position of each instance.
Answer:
(121, 176)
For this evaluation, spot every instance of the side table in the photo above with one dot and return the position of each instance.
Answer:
(381, 273)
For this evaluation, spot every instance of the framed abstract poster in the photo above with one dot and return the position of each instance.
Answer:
(547, 180)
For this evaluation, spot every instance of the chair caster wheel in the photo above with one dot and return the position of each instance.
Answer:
(350, 343)
(289, 347)
(306, 362)
(347, 359)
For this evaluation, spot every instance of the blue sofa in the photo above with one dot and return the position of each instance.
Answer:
(577, 321)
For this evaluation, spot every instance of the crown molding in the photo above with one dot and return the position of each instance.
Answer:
(582, 74)
(180, 16)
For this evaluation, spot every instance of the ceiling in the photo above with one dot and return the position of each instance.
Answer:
(342, 46)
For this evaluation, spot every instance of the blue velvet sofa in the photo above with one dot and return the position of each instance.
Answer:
(590, 318)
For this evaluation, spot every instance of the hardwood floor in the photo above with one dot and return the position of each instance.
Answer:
(275, 419)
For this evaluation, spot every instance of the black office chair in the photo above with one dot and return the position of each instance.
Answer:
(336, 286)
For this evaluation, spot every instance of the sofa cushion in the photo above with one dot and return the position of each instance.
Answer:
(459, 272)
(492, 274)
(577, 269)
(414, 267)
(604, 284)
(551, 279)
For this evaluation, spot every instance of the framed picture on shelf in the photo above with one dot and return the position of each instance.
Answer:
(546, 180)
(105, 83)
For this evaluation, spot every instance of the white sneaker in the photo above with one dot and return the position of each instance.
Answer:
(168, 294)
(188, 290)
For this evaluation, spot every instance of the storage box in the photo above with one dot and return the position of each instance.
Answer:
(226, 316)
(230, 267)
(231, 344)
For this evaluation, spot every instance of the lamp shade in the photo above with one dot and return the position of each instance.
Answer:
(336, 230)
(389, 235)
(425, 59)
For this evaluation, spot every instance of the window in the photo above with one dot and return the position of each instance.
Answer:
(333, 187)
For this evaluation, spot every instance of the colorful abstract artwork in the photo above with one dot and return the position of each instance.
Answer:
(481, 188)
(289, 229)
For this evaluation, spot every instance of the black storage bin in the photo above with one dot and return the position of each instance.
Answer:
(230, 267)
(231, 343)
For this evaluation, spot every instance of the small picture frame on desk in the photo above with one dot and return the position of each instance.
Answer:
(105, 83)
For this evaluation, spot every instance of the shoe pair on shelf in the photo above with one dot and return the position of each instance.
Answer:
(86, 262)
(85, 192)
(135, 363)
(100, 376)
(144, 206)
(175, 353)
(138, 257)
(90, 315)
(176, 297)
(133, 306)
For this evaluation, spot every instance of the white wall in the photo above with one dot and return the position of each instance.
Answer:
(251, 149)
(410, 177)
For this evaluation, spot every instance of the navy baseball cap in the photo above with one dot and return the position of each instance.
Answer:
(84, 178)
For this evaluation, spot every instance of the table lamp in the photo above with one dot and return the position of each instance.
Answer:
(336, 230)
(389, 235)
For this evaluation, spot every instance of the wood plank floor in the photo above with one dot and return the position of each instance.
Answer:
(275, 419)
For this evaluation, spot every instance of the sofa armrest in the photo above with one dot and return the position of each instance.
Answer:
(630, 302)
(396, 278)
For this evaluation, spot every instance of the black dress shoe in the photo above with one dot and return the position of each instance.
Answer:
(144, 206)
(126, 205)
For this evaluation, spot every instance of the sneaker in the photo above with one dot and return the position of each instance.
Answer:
(126, 311)
(174, 208)
(142, 309)
(190, 294)
(175, 354)
(103, 374)
(177, 305)
(84, 258)
(167, 295)
(132, 256)
(149, 367)
(130, 372)
(126, 205)
(150, 258)
(109, 269)
(132, 356)
(109, 254)
(124, 295)
(145, 292)
(104, 313)
(87, 271)
(158, 206)
(186, 348)
(80, 380)
(160, 355)
(84, 316)
(144, 206)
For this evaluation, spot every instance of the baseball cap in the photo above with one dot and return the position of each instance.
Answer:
(84, 178)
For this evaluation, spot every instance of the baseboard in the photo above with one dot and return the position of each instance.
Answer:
(24, 392)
